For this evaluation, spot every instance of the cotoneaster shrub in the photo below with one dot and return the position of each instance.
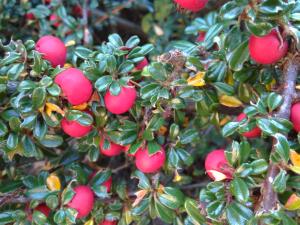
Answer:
(191, 120)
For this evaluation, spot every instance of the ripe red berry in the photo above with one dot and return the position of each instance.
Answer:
(149, 163)
(29, 16)
(267, 49)
(108, 184)
(74, 128)
(75, 86)
(121, 103)
(201, 36)
(82, 201)
(295, 116)
(142, 64)
(254, 133)
(55, 20)
(43, 208)
(216, 165)
(113, 150)
(52, 49)
(192, 5)
(108, 222)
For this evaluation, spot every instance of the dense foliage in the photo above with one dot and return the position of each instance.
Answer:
(149, 112)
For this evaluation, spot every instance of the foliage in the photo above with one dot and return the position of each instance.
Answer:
(188, 99)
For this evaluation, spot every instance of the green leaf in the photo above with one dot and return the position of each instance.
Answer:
(153, 147)
(282, 146)
(12, 141)
(3, 129)
(14, 72)
(115, 88)
(132, 41)
(193, 211)
(260, 28)
(67, 195)
(115, 40)
(259, 166)
(164, 213)
(144, 182)
(224, 88)
(82, 52)
(29, 147)
(51, 141)
(238, 56)
(274, 100)
(188, 136)
(279, 183)
(237, 213)
(230, 128)
(39, 217)
(38, 97)
(240, 190)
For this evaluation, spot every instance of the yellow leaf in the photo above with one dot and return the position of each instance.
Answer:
(229, 79)
(295, 158)
(217, 175)
(293, 203)
(82, 106)
(230, 101)
(68, 65)
(224, 121)
(162, 130)
(298, 87)
(158, 30)
(89, 222)
(186, 122)
(139, 196)
(128, 217)
(177, 177)
(50, 107)
(53, 182)
(295, 169)
(197, 80)
(270, 86)
(70, 43)
(18, 150)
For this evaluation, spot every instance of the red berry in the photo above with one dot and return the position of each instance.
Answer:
(113, 150)
(47, 1)
(43, 208)
(108, 184)
(74, 128)
(121, 103)
(82, 201)
(108, 222)
(55, 20)
(254, 133)
(142, 64)
(201, 36)
(192, 5)
(216, 161)
(30, 16)
(149, 163)
(53, 50)
(75, 86)
(267, 49)
(295, 116)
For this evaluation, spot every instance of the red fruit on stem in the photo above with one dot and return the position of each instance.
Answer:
(53, 50)
(149, 163)
(142, 64)
(108, 222)
(295, 116)
(55, 20)
(74, 128)
(29, 16)
(121, 103)
(113, 150)
(43, 208)
(192, 5)
(254, 133)
(216, 163)
(267, 49)
(201, 36)
(108, 184)
(75, 86)
(47, 1)
(82, 201)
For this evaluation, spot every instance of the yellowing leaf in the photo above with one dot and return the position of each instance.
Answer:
(53, 182)
(177, 177)
(298, 87)
(270, 86)
(128, 217)
(162, 130)
(217, 175)
(224, 121)
(82, 106)
(229, 79)
(293, 203)
(230, 101)
(70, 43)
(50, 107)
(158, 30)
(68, 65)
(139, 196)
(295, 169)
(186, 122)
(18, 150)
(197, 80)
(295, 158)
(89, 222)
